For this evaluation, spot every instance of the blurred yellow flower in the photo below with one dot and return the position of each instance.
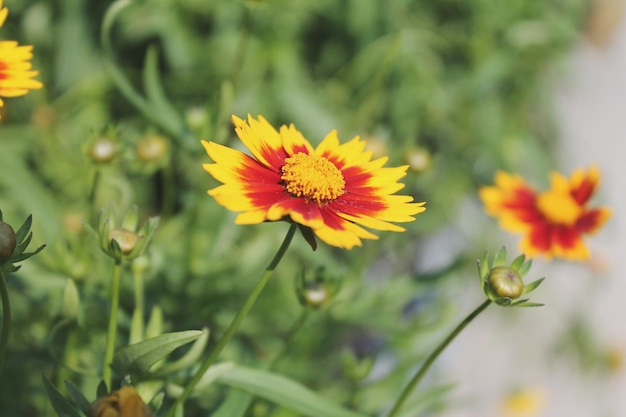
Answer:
(15, 69)
(122, 403)
(527, 402)
(554, 221)
(333, 189)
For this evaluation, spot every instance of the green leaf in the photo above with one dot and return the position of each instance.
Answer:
(517, 263)
(235, 405)
(284, 391)
(102, 390)
(139, 357)
(531, 286)
(78, 397)
(24, 229)
(156, 402)
(21, 247)
(153, 87)
(500, 259)
(525, 267)
(191, 357)
(61, 405)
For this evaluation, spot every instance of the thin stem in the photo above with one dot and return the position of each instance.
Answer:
(112, 332)
(137, 323)
(234, 325)
(92, 194)
(6, 317)
(432, 357)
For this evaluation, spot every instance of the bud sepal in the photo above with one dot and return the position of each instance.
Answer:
(126, 241)
(16, 243)
(503, 284)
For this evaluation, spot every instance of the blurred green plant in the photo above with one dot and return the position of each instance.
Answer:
(453, 89)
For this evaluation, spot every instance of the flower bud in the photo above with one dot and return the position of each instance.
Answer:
(505, 282)
(126, 239)
(152, 148)
(315, 294)
(103, 150)
(7, 241)
(419, 159)
(122, 403)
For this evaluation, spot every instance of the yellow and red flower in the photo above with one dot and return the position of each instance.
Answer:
(15, 68)
(333, 189)
(554, 221)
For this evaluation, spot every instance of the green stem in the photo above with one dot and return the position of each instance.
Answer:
(92, 194)
(137, 323)
(432, 357)
(112, 331)
(6, 317)
(234, 325)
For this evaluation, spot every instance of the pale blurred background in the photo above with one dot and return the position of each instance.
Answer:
(566, 358)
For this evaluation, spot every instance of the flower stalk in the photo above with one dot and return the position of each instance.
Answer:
(419, 375)
(6, 317)
(234, 325)
(107, 372)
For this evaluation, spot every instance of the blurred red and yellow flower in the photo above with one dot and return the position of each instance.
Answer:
(554, 221)
(15, 68)
(333, 189)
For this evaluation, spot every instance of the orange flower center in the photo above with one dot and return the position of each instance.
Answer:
(312, 177)
(559, 208)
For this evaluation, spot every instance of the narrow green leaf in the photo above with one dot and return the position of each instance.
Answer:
(525, 304)
(531, 286)
(102, 390)
(517, 263)
(24, 229)
(500, 259)
(21, 247)
(153, 87)
(61, 405)
(235, 404)
(139, 357)
(27, 254)
(525, 267)
(191, 357)
(156, 402)
(81, 401)
(285, 392)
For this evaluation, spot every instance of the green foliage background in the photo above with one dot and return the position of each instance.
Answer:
(462, 82)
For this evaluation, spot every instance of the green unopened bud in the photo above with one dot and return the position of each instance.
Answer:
(419, 159)
(315, 294)
(126, 239)
(8, 241)
(152, 148)
(505, 282)
(103, 150)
